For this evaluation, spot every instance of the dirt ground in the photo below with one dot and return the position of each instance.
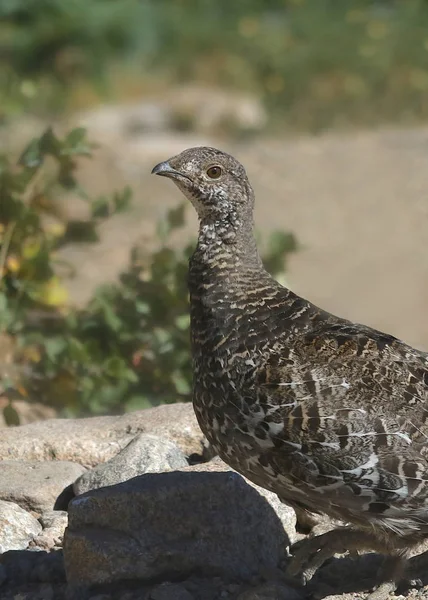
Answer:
(358, 204)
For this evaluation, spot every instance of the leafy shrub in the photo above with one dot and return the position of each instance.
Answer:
(316, 64)
(129, 347)
(33, 298)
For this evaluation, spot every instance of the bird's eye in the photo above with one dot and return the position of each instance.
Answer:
(214, 172)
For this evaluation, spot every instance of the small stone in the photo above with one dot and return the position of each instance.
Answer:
(35, 485)
(17, 527)
(145, 454)
(170, 591)
(54, 523)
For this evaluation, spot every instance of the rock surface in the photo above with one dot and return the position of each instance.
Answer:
(161, 525)
(145, 454)
(271, 591)
(285, 513)
(38, 486)
(170, 591)
(95, 440)
(54, 523)
(196, 108)
(17, 527)
(180, 535)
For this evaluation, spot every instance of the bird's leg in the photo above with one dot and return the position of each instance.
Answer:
(305, 521)
(311, 553)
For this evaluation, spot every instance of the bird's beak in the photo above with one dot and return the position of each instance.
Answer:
(165, 169)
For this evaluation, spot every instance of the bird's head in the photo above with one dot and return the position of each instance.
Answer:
(215, 182)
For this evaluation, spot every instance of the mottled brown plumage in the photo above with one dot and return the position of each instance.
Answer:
(330, 415)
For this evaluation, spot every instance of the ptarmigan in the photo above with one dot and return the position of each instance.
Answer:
(329, 414)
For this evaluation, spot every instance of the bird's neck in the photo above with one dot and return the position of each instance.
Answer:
(226, 247)
(226, 267)
(227, 280)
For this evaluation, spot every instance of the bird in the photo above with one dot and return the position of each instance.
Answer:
(329, 414)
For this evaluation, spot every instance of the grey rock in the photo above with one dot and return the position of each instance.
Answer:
(170, 591)
(119, 121)
(37, 486)
(196, 107)
(97, 439)
(271, 591)
(17, 527)
(54, 523)
(46, 591)
(209, 109)
(3, 574)
(285, 513)
(167, 524)
(145, 454)
(23, 566)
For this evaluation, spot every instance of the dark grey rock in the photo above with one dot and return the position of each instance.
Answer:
(271, 591)
(284, 512)
(17, 527)
(145, 454)
(170, 591)
(3, 574)
(36, 485)
(169, 524)
(23, 566)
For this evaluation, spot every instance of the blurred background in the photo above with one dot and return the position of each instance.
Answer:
(326, 105)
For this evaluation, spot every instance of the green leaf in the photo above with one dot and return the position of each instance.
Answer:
(281, 242)
(75, 137)
(3, 303)
(111, 319)
(183, 322)
(142, 307)
(32, 156)
(115, 367)
(100, 208)
(77, 351)
(55, 346)
(182, 385)
(49, 143)
(82, 231)
(122, 200)
(11, 416)
(175, 217)
(138, 403)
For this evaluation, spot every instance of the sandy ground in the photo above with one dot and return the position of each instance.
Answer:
(358, 204)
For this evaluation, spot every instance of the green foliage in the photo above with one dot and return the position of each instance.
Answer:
(48, 45)
(130, 346)
(33, 297)
(317, 64)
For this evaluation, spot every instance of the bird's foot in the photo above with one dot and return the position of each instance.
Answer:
(310, 554)
(383, 591)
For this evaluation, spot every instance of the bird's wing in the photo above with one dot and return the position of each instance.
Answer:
(346, 414)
